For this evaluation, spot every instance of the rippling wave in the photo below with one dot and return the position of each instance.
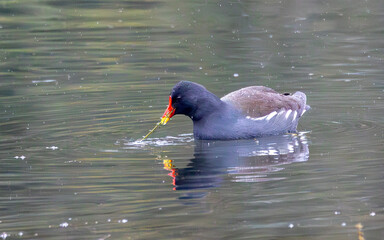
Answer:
(181, 139)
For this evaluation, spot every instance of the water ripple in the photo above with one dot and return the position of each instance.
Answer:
(181, 139)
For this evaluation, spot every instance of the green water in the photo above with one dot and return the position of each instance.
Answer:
(81, 81)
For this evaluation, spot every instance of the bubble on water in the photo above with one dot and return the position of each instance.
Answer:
(4, 235)
(109, 220)
(64, 225)
(123, 221)
(291, 225)
(372, 214)
(20, 234)
(52, 147)
(337, 213)
(235, 75)
(44, 81)
(343, 224)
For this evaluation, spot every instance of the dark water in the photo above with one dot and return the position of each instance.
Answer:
(81, 81)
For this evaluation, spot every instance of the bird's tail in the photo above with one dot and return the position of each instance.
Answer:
(303, 102)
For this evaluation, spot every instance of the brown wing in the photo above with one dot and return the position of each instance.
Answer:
(258, 101)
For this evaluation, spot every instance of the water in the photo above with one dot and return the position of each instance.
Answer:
(82, 81)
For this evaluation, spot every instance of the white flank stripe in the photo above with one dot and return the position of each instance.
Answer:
(256, 119)
(302, 113)
(294, 115)
(261, 118)
(288, 113)
(271, 115)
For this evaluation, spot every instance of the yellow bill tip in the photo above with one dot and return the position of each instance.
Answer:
(164, 120)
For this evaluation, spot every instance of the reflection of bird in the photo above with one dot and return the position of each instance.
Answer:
(242, 160)
(243, 114)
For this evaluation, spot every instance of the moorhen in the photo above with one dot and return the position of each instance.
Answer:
(246, 113)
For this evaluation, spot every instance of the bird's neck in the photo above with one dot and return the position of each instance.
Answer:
(206, 106)
(215, 123)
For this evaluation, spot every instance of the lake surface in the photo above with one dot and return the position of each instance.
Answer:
(82, 81)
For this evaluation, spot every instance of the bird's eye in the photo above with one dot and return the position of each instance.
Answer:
(176, 99)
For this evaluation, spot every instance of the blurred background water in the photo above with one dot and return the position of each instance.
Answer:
(81, 81)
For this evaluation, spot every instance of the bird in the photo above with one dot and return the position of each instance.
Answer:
(246, 113)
